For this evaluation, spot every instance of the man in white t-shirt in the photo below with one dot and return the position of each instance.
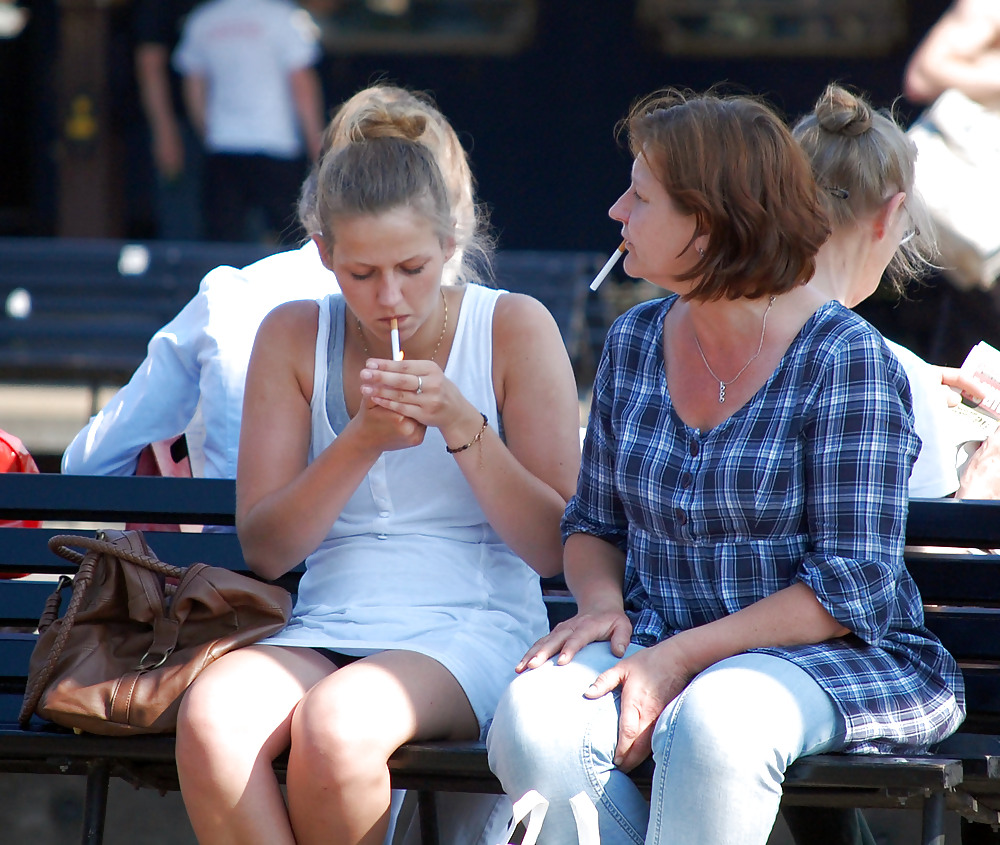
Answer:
(252, 91)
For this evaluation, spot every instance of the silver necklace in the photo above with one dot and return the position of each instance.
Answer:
(724, 384)
(437, 346)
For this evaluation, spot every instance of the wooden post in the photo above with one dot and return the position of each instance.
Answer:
(88, 157)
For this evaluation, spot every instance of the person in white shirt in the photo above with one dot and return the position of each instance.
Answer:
(253, 94)
(864, 162)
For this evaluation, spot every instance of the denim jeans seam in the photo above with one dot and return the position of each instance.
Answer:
(587, 762)
(660, 770)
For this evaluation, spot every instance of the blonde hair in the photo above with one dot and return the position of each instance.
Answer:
(383, 168)
(386, 110)
(861, 157)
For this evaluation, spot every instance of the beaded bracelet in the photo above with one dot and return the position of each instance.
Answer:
(473, 441)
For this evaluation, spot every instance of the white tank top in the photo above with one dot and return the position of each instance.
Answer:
(412, 562)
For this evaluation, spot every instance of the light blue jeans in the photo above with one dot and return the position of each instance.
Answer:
(721, 749)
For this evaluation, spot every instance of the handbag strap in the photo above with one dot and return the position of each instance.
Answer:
(61, 544)
(37, 684)
(530, 808)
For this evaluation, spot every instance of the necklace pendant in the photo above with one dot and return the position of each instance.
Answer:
(722, 392)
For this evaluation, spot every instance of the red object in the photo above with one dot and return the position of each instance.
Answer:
(14, 457)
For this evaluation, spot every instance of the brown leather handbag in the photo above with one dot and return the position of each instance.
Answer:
(136, 633)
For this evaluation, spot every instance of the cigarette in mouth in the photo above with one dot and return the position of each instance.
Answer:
(397, 353)
(611, 262)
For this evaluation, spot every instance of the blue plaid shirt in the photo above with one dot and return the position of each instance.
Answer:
(807, 482)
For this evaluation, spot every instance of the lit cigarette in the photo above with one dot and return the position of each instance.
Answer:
(397, 353)
(611, 262)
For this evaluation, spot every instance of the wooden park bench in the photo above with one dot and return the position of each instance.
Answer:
(962, 604)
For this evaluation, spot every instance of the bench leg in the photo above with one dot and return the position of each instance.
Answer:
(933, 820)
(428, 818)
(96, 803)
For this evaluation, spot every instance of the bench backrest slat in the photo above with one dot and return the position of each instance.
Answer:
(117, 499)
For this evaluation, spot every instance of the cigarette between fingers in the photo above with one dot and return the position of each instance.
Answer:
(594, 285)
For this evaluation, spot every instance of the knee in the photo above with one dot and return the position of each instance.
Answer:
(206, 709)
(529, 712)
(207, 723)
(541, 725)
(722, 728)
(335, 734)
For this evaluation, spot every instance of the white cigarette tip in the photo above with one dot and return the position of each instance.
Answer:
(594, 285)
(397, 353)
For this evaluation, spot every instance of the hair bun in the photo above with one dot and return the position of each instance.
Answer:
(842, 113)
(390, 123)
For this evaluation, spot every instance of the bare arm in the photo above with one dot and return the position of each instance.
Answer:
(962, 51)
(284, 504)
(789, 617)
(521, 485)
(595, 572)
(151, 68)
(652, 678)
(307, 95)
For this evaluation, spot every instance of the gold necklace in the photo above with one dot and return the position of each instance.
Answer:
(724, 384)
(437, 346)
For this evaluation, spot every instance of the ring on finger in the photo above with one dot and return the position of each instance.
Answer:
(420, 385)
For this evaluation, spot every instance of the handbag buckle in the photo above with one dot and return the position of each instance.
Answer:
(146, 668)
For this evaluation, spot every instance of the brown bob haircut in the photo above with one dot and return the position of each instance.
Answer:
(732, 163)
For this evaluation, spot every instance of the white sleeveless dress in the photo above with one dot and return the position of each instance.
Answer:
(412, 562)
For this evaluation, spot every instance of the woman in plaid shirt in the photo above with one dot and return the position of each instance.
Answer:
(735, 543)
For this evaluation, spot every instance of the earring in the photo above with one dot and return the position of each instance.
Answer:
(701, 252)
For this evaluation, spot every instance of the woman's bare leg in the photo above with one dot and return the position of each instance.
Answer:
(346, 728)
(234, 721)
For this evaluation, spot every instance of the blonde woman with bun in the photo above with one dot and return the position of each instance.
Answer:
(880, 229)
(424, 495)
(195, 367)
